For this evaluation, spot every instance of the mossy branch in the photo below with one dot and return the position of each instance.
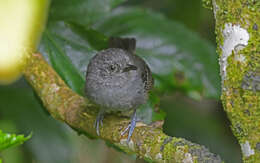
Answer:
(238, 38)
(147, 142)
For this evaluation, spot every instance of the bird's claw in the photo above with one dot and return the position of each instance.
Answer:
(99, 121)
(127, 128)
(130, 127)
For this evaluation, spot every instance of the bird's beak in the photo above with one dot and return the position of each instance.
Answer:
(129, 68)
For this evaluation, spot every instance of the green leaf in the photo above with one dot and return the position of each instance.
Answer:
(115, 3)
(62, 64)
(179, 59)
(95, 39)
(54, 45)
(9, 140)
(82, 11)
(169, 48)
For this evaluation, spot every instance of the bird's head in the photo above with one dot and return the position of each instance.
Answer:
(113, 67)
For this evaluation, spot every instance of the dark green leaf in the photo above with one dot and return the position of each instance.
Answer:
(95, 39)
(178, 58)
(169, 48)
(61, 61)
(81, 11)
(62, 64)
(115, 3)
(9, 140)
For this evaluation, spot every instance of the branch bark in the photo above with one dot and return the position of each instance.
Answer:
(147, 141)
(238, 38)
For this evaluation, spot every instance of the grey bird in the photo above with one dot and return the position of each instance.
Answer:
(118, 81)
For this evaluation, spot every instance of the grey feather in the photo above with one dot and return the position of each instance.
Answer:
(118, 80)
(110, 87)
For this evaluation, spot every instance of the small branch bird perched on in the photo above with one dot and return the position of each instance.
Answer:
(118, 81)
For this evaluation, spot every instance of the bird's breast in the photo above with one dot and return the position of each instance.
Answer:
(120, 95)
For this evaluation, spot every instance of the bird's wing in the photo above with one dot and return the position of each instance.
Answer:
(147, 78)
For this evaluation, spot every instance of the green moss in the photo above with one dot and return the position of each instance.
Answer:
(240, 95)
(207, 4)
(168, 150)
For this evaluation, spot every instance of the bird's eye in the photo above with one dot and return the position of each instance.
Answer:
(113, 67)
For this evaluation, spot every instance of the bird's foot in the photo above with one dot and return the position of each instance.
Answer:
(99, 121)
(131, 126)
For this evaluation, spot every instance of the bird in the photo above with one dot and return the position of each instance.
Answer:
(118, 81)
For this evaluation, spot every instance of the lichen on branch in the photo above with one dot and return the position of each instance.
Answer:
(238, 38)
(146, 142)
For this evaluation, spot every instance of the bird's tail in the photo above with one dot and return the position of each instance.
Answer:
(127, 44)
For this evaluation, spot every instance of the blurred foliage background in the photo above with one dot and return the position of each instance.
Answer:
(175, 37)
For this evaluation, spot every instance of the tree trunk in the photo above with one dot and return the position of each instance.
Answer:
(238, 38)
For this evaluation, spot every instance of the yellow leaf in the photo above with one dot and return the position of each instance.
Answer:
(21, 25)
